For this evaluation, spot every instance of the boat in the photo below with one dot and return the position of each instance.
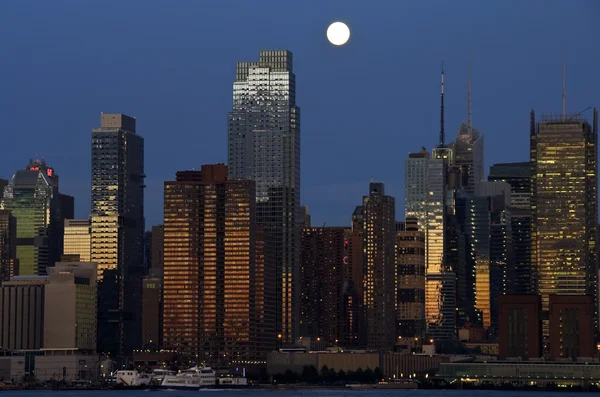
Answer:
(232, 383)
(190, 379)
(131, 378)
(158, 375)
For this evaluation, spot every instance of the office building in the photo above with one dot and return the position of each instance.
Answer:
(210, 281)
(518, 176)
(322, 280)
(22, 314)
(32, 198)
(152, 311)
(564, 205)
(70, 308)
(520, 326)
(571, 327)
(379, 235)
(353, 332)
(78, 238)
(8, 246)
(410, 280)
(3, 184)
(264, 146)
(157, 255)
(415, 187)
(117, 227)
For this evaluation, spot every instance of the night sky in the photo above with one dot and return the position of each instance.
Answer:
(364, 106)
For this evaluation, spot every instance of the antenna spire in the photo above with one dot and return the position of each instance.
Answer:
(469, 119)
(564, 90)
(442, 137)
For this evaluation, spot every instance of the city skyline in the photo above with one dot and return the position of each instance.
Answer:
(198, 116)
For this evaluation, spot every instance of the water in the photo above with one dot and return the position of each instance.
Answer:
(290, 393)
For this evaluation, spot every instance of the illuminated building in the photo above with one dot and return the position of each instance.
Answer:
(415, 187)
(8, 245)
(210, 272)
(32, 198)
(117, 227)
(353, 331)
(564, 205)
(379, 235)
(410, 279)
(322, 280)
(518, 176)
(78, 238)
(264, 146)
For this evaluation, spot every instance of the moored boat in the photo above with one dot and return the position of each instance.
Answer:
(190, 379)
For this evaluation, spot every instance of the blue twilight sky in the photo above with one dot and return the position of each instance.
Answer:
(364, 106)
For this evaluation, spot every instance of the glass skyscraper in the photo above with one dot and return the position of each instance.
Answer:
(32, 198)
(518, 176)
(264, 146)
(564, 174)
(117, 227)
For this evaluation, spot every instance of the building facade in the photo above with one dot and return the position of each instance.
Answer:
(264, 146)
(322, 280)
(22, 314)
(78, 238)
(379, 235)
(32, 198)
(564, 174)
(117, 231)
(518, 176)
(210, 282)
(410, 280)
(571, 327)
(8, 245)
(70, 321)
(520, 326)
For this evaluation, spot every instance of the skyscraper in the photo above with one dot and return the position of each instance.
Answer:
(415, 187)
(518, 176)
(117, 219)
(32, 198)
(8, 245)
(322, 280)
(210, 272)
(264, 146)
(468, 149)
(410, 279)
(78, 238)
(379, 267)
(564, 173)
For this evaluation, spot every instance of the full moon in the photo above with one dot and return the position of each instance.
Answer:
(338, 33)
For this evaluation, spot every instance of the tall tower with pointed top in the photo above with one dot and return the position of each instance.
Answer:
(468, 148)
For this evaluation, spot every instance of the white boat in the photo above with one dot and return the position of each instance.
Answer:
(131, 378)
(190, 379)
(158, 375)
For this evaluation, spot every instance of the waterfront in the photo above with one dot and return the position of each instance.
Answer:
(292, 393)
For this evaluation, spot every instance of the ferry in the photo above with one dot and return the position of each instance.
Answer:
(190, 379)
(131, 378)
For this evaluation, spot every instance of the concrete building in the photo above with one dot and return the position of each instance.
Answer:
(70, 307)
(78, 238)
(379, 237)
(22, 305)
(322, 280)
(211, 282)
(410, 280)
(571, 327)
(520, 326)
